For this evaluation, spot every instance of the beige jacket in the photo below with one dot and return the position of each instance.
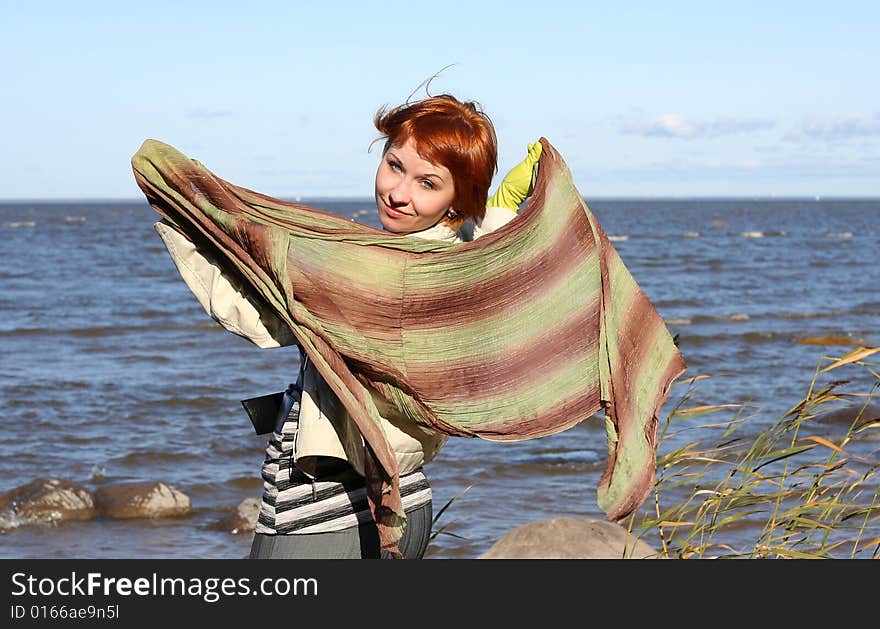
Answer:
(325, 427)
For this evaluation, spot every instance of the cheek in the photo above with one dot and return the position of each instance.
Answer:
(378, 181)
(432, 205)
(442, 203)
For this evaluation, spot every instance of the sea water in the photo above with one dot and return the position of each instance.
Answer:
(112, 372)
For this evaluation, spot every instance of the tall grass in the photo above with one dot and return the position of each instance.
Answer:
(792, 491)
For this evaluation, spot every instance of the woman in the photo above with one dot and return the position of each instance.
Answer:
(437, 165)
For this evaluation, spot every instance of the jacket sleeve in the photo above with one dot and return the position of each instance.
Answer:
(221, 295)
(495, 217)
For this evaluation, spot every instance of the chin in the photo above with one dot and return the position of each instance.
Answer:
(390, 226)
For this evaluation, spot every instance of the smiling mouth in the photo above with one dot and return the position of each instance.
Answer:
(392, 212)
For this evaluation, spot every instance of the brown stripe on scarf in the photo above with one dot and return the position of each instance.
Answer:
(480, 378)
(524, 280)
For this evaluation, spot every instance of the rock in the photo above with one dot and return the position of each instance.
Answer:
(46, 500)
(141, 500)
(570, 538)
(244, 518)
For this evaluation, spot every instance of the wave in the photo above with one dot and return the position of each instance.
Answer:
(145, 458)
(868, 308)
(839, 235)
(743, 316)
(795, 337)
(251, 482)
(227, 448)
(70, 439)
(662, 235)
(770, 233)
(15, 224)
(748, 337)
(761, 234)
(677, 303)
(9, 520)
(98, 473)
(678, 321)
(75, 219)
(212, 400)
(808, 315)
(156, 314)
(862, 309)
(703, 318)
(26, 402)
(535, 465)
(105, 331)
(145, 358)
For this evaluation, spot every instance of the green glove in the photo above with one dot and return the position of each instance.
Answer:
(519, 182)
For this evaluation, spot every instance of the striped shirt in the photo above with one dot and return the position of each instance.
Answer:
(294, 503)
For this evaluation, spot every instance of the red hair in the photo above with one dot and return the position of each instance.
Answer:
(454, 134)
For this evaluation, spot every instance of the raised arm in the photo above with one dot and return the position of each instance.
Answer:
(221, 296)
(516, 186)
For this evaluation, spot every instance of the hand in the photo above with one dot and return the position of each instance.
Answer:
(519, 182)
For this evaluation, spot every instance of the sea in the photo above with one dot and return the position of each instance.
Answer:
(110, 371)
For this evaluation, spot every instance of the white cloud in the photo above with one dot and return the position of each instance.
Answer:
(805, 168)
(674, 125)
(836, 129)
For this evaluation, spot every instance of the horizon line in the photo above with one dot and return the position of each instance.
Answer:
(367, 199)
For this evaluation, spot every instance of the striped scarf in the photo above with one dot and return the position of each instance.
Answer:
(520, 334)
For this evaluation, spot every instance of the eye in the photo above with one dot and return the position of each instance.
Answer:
(394, 165)
(427, 184)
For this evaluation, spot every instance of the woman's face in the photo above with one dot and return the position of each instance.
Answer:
(412, 194)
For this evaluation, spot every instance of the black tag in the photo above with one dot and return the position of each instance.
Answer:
(263, 411)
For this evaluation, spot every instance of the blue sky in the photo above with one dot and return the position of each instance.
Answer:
(652, 99)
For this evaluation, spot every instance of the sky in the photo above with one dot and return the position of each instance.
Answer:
(672, 99)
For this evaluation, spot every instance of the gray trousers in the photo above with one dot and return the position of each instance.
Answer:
(358, 542)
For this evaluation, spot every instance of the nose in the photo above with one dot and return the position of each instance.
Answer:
(399, 194)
